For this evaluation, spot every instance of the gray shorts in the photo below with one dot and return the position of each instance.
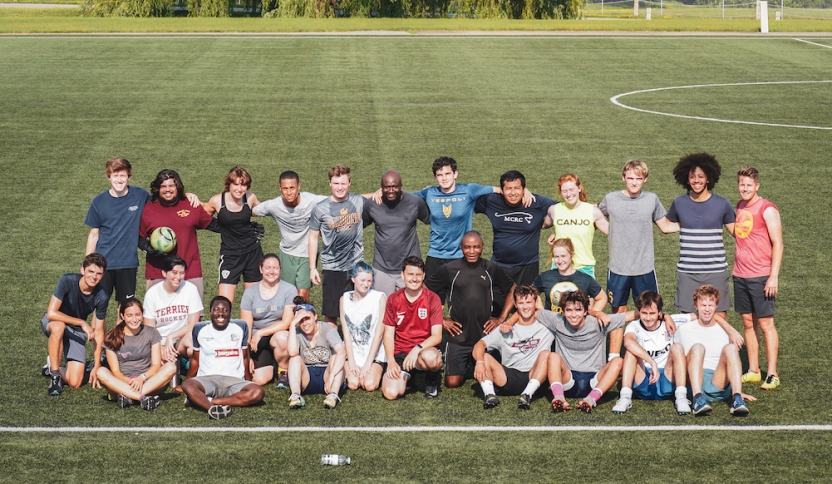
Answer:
(217, 386)
(75, 341)
(687, 283)
(387, 283)
(750, 297)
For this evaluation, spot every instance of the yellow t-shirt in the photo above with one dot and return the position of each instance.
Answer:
(577, 224)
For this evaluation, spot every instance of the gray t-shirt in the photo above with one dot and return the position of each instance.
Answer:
(265, 312)
(395, 238)
(342, 232)
(631, 231)
(582, 349)
(520, 348)
(319, 354)
(292, 222)
(134, 354)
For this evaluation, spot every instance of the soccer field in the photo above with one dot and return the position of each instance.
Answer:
(541, 105)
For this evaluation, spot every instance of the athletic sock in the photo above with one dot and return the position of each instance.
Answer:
(595, 394)
(532, 387)
(432, 378)
(681, 392)
(557, 390)
(55, 372)
(626, 393)
(487, 387)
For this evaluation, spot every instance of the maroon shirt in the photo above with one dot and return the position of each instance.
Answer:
(183, 219)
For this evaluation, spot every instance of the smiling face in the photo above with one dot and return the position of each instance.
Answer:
(575, 314)
(525, 306)
(446, 178)
(513, 191)
(220, 312)
(237, 188)
(472, 248)
(132, 316)
(571, 193)
(168, 192)
(308, 323)
(91, 275)
(650, 317)
(340, 187)
(270, 269)
(698, 181)
(562, 259)
(173, 278)
(391, 187)
(118, 180)
(290, 188)
(633, 182)
(363, 282)
(748, 188)
(413, 277)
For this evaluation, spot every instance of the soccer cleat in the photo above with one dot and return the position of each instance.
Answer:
(587, 404)
(491, 401)
(682, 406)
(772, 382)
(45, 370)
(751, 377)
(123, 401)
(296, 401)
(431, 391)
(217, 412)
(56, 385)
(149, 402)
(700, 406)
(525, 401)
(331, 401)
(622, 405)
(738, 407)
(282, 380)
(559, 404)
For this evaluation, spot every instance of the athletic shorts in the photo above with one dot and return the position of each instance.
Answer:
(122, 280)
(295, 270)
(333, 285)
(387, 283)
(75, 341)
(711, 392)
(432, 265)
(687, 283)
(750, 297)
(263, 355)
(661, 390)
(459, 360)
(581, 384)
(218, 386)
(619, 287)
(520, 275)
(316, 381)
(247, 265)
(516, 382)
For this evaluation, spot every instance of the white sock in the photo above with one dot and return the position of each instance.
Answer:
(681, 392)
(487, 387)
(532, 387)
(627, 393)
(210, 399)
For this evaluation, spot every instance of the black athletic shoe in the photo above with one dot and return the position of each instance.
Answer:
(524, 402)
(431, 391)
(491, 401)
(149, 402)
(56, 386)
(45, 370)
(123, 401)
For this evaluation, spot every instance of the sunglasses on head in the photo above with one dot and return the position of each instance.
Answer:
(305, 306)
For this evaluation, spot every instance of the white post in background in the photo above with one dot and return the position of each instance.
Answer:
(782, 11)
(648, 14)
(758, 10)
(635, 8)
(723, 9)
(777, 15)
(602, 7)
(764, 17)
(661, 8)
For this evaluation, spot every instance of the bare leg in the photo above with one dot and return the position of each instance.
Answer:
(609, 374)
(372, 379)
(696, 357)
(227, 290)
(540, 368)
(393, 389)
(430, 359)
(74, 374)
(247, 396)
(454, 381)
(263, 375)
(752, 342)
(729, 369)
(772, 342)
(674, 370)
(55, 344)
(280, 344)
(631, 371)
(304, 293)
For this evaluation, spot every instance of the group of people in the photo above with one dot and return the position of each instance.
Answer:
(508, 326)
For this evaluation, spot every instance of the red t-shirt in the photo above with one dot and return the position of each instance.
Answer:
(752, 255)
(184, 220)
(413, 321)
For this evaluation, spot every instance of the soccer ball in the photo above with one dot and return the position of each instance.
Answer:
(163, 239)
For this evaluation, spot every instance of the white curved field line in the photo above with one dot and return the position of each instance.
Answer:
(814, 43)
(605, 428)
(615, 100)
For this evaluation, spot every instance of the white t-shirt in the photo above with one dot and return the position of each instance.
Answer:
(171, 310)
(221, 352)
(362, 319)
(520, 348)
(712, 337)
(293, 222)
(656, 343)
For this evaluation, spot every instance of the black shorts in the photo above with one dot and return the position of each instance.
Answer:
(263, 355)
(516, 382)
(459, 360)
(750, 297)
(520, 275)
(122, 280)
(333, 285)
(582, 386)
(316, 381)
(247, 265)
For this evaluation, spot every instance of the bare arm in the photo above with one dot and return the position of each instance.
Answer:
(636, 350)
(730, 228)
(213, 204)
(313, 257)
(375, 344)
(601, 222)
(775, 232)
(479, 354)
(345, 328)
(666, 226)
(92, 241)
(389, 349)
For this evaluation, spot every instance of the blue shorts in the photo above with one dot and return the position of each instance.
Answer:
(661, 390)
(619, 287)
(582, 384)
(711, 392)
(316, 381)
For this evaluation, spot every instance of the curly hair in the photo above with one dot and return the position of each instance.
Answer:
(442, 162)
(163, 176)
(688, 163)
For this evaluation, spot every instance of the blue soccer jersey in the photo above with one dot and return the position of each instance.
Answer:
(451, 215)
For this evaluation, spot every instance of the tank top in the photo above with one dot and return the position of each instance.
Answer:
(578, 225)
(752, 255)
(363, 317)
(236, 235)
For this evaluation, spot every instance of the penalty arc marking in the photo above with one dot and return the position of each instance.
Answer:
(615, 100)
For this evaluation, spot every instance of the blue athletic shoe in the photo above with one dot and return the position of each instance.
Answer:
(700, 406)
(738, 408)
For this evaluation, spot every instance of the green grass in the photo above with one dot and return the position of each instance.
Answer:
(540, 105)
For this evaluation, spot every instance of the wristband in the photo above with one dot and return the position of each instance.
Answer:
(420, 347)
(144, 375)
(611, 356)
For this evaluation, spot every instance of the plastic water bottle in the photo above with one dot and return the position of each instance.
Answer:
(334, 460)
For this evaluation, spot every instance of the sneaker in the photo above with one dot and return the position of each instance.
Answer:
(751, 377)
(56, 385)
(622, 405)
(123, 401)
(700, 406)
(682, 406)
(331, 401)
(525, 401)
(282, 380)
(149, 402)
(431, 391)
(296, 401)
(45, 370)
(587, 404)
(772, 382)
(738, 408)
(559, 404)
(217, 412)
(491, 401)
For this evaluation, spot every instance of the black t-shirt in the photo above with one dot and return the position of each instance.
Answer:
(75, 303)
(516, 229)
(552, 284)
(469, 291)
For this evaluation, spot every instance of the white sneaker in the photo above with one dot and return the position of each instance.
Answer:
(622, 405)
(682, 406)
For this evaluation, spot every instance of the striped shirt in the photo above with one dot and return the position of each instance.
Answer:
(702, 249)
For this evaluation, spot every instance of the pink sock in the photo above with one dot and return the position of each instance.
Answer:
(557, 390)
(595, 394)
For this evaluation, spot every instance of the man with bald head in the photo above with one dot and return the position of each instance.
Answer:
(395, 236)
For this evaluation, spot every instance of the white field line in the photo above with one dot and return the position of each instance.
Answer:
(418, 34)
(814, 43)
(606, 428)
(615, 100)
